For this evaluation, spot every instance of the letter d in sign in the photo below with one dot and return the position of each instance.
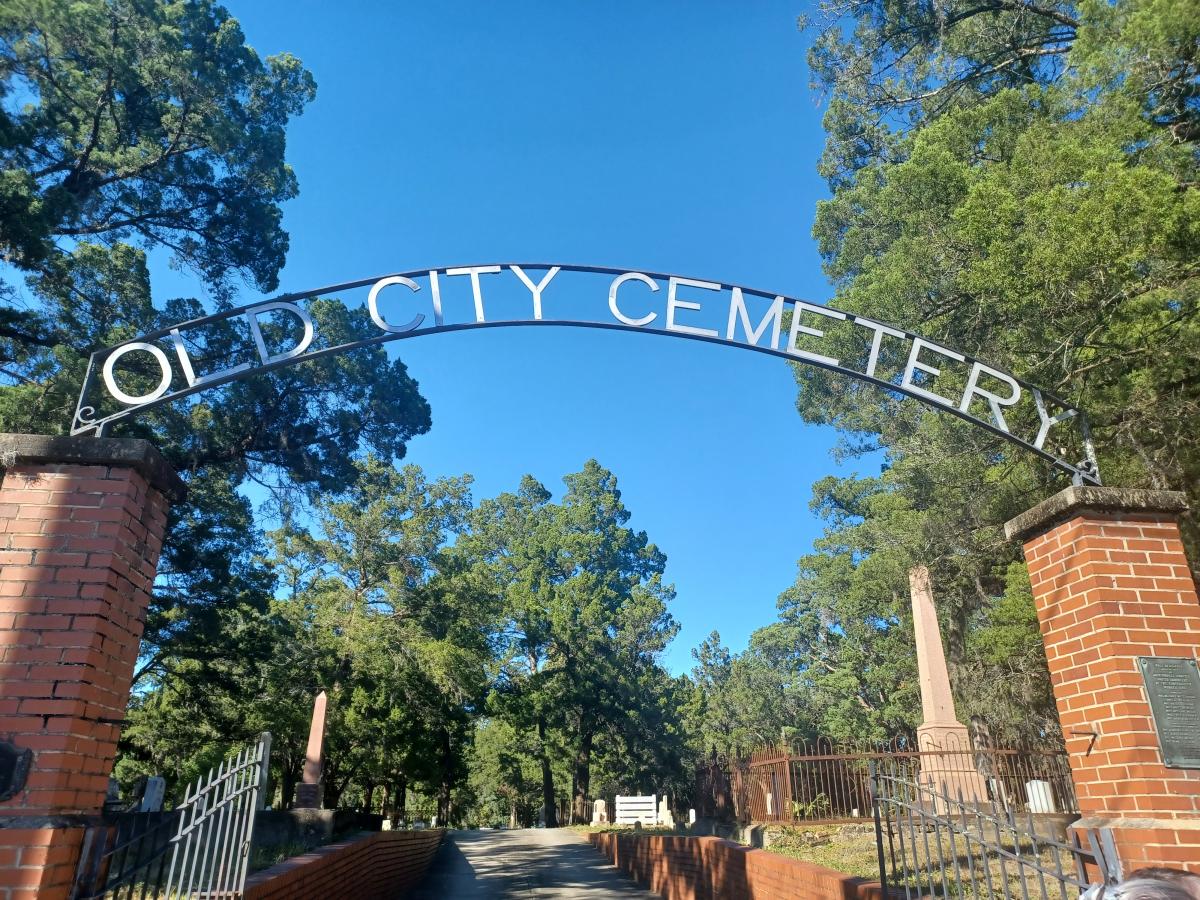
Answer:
(256, 330)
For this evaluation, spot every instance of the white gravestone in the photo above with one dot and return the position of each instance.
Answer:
(1041, 798)
(600, 813)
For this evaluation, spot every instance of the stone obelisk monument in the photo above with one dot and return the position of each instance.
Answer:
(947, 757)
(308, 793)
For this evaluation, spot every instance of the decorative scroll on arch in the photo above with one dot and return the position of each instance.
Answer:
(170, 364)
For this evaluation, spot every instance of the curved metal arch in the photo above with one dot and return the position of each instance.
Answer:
(1083, 472)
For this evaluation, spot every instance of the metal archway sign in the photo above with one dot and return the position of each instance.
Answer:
(165, 363)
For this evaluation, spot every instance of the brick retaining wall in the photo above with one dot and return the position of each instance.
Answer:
(709, 868)
(365, 867)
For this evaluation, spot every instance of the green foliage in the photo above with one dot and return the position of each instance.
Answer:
(1016, 181)
(1003, 664)
(815, 808)
(584, 620)
(300, 428)
(747, 700)
(372, 610)
(132, 126)
(144, 120)
(481, 660)
(381, 623)
(505, 779)
(1045, 219)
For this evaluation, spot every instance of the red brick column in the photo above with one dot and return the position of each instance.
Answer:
(81, 526)
(1112, 583)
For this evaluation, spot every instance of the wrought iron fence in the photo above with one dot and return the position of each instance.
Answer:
(200, 849)
(934, 840)
(712, 796)
(826, 782)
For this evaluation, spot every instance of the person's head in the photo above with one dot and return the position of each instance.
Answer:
(1139, 889)
(1189, 881)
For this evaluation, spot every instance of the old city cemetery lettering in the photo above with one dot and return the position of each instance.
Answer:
(171, 364)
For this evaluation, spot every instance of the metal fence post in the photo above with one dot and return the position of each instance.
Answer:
(872, 776)
(264, 741)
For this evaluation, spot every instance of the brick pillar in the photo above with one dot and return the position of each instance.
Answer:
(81, 526)
(1112, 584)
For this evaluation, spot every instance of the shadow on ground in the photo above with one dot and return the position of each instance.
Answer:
(540, 863)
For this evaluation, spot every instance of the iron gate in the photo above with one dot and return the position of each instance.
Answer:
(931, 844)
(200, 849)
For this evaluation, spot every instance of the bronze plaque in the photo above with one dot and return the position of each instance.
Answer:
(14, 769)
(1173, 686)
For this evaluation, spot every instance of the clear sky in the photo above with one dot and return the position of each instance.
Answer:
(668, 136)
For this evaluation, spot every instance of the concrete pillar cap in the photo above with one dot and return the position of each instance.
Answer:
(1078, 499)
(133, 453)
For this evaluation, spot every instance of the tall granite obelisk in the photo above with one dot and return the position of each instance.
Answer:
(947, 756)
(308, 793)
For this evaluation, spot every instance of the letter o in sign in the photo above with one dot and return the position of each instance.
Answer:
(130, 399)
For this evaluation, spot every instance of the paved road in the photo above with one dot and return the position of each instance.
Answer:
(529, 864)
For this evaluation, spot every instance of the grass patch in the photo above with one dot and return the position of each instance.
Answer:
(830, 846)
(939, 864)
(623, 829)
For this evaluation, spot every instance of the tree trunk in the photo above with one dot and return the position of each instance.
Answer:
(332, 783)
(385, 805)
(443, 800)
(331, 792)
(582, 778)
(401, 800)
(368, 797)
(288, 777)
(548, 805)
(331, 796)
(512, 813)
(571, 804)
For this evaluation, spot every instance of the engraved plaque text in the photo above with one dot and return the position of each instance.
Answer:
(1173, 686)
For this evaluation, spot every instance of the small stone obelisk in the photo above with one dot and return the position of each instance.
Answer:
(308, 792)
(947, 757)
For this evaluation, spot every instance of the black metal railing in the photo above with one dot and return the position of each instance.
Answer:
(199, 849)
(127, 857)
(937, 836)
(827, 782)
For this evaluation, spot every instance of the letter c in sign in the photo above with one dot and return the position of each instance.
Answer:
(373, 304)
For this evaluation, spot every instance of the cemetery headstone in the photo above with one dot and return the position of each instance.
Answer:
(1040, 797)
(152, 795)
(664, 813)
(112, 797)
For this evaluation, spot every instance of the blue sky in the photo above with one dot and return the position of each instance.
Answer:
(667, 136)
